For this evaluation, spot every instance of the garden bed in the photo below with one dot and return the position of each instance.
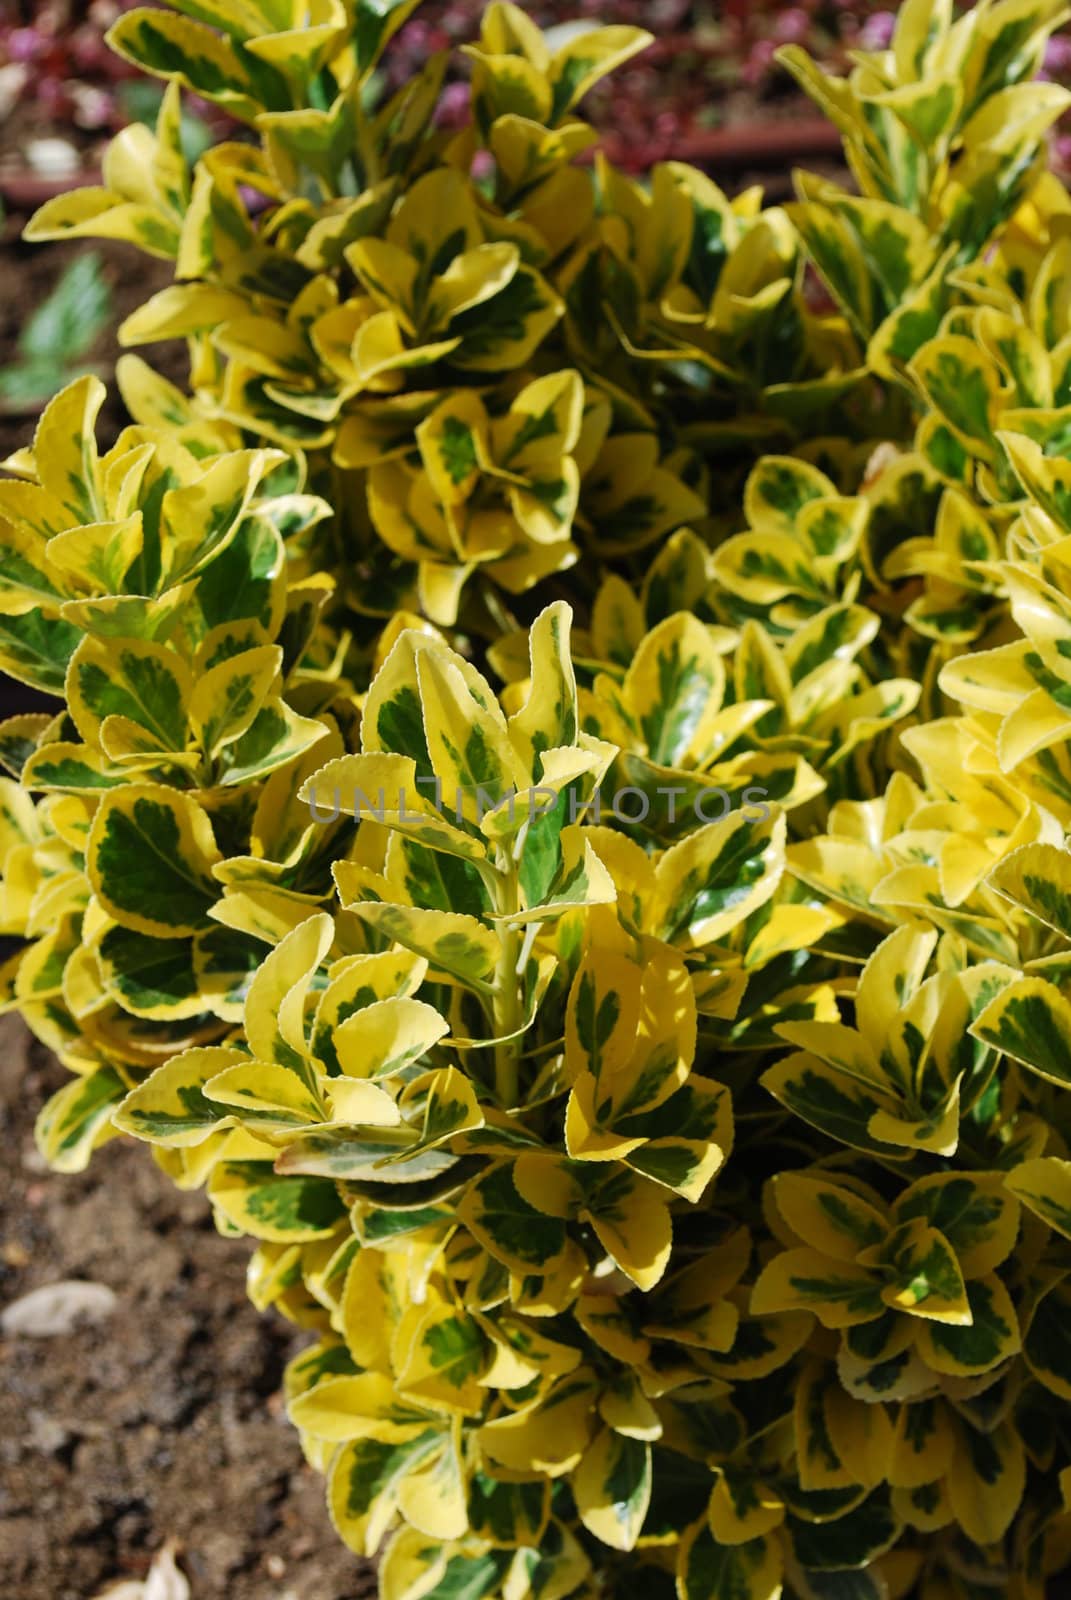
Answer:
(163, 1421)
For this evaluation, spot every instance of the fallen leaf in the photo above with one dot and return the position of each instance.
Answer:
(164, 1582)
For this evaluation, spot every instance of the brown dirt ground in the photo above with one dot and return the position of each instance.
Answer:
(166, 1420)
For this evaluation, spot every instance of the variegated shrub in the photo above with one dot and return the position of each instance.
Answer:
(556, 812)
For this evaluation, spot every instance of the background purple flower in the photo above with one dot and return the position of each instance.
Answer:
(792, 26)
(877, 31)
(1057, 62)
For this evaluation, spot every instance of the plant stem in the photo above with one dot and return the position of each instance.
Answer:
(507, 1008)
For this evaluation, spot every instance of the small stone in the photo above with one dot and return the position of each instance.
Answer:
(57, 1308)
(275, 1566)
(46, 1434)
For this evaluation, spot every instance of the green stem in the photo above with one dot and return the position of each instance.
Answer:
(507, 999)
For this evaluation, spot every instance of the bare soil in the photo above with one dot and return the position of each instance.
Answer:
(165, 1420)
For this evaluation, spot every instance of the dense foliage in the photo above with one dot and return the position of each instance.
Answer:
(556, 813)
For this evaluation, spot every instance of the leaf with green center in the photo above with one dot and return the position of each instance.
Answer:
(460, 948)
(674, 689)
(359, 1154)
(145, 683)
(717, 876)
(446, 1359)
(354, 984)
(1038, 878)
(78, 1118)
(514, 1232)
(839, 1293)
(707, 1570)
(448, 1104)
(686, 1139)
(150, 977)
(194, 54)
(991, 1338)
(66, 450)
(95, 558)
(268, 1098)
(821, 1462)
(275, 1008)
(963, 384)
(284, 1207)
(170, 1108)
(549, 719)
(777, 491)
(1030, 1021)
(433, 1497)
(762, 567)
(986, 1480)
(510, 1514)
(973, 1211)
(500, 334)
(1047, 1340)
(453, 446)
(922, 1446)
(363, 1485)
(37, 650)
(612, 1487)
(829, 1216)
(227, 698)
(1043, 1184)
(435, 879)
(846, 1543)
(830, 1101)
(631, 1218)
(468, 741)
(149, 857)
(926, 1277)
(602, 1016)
(198, 520)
